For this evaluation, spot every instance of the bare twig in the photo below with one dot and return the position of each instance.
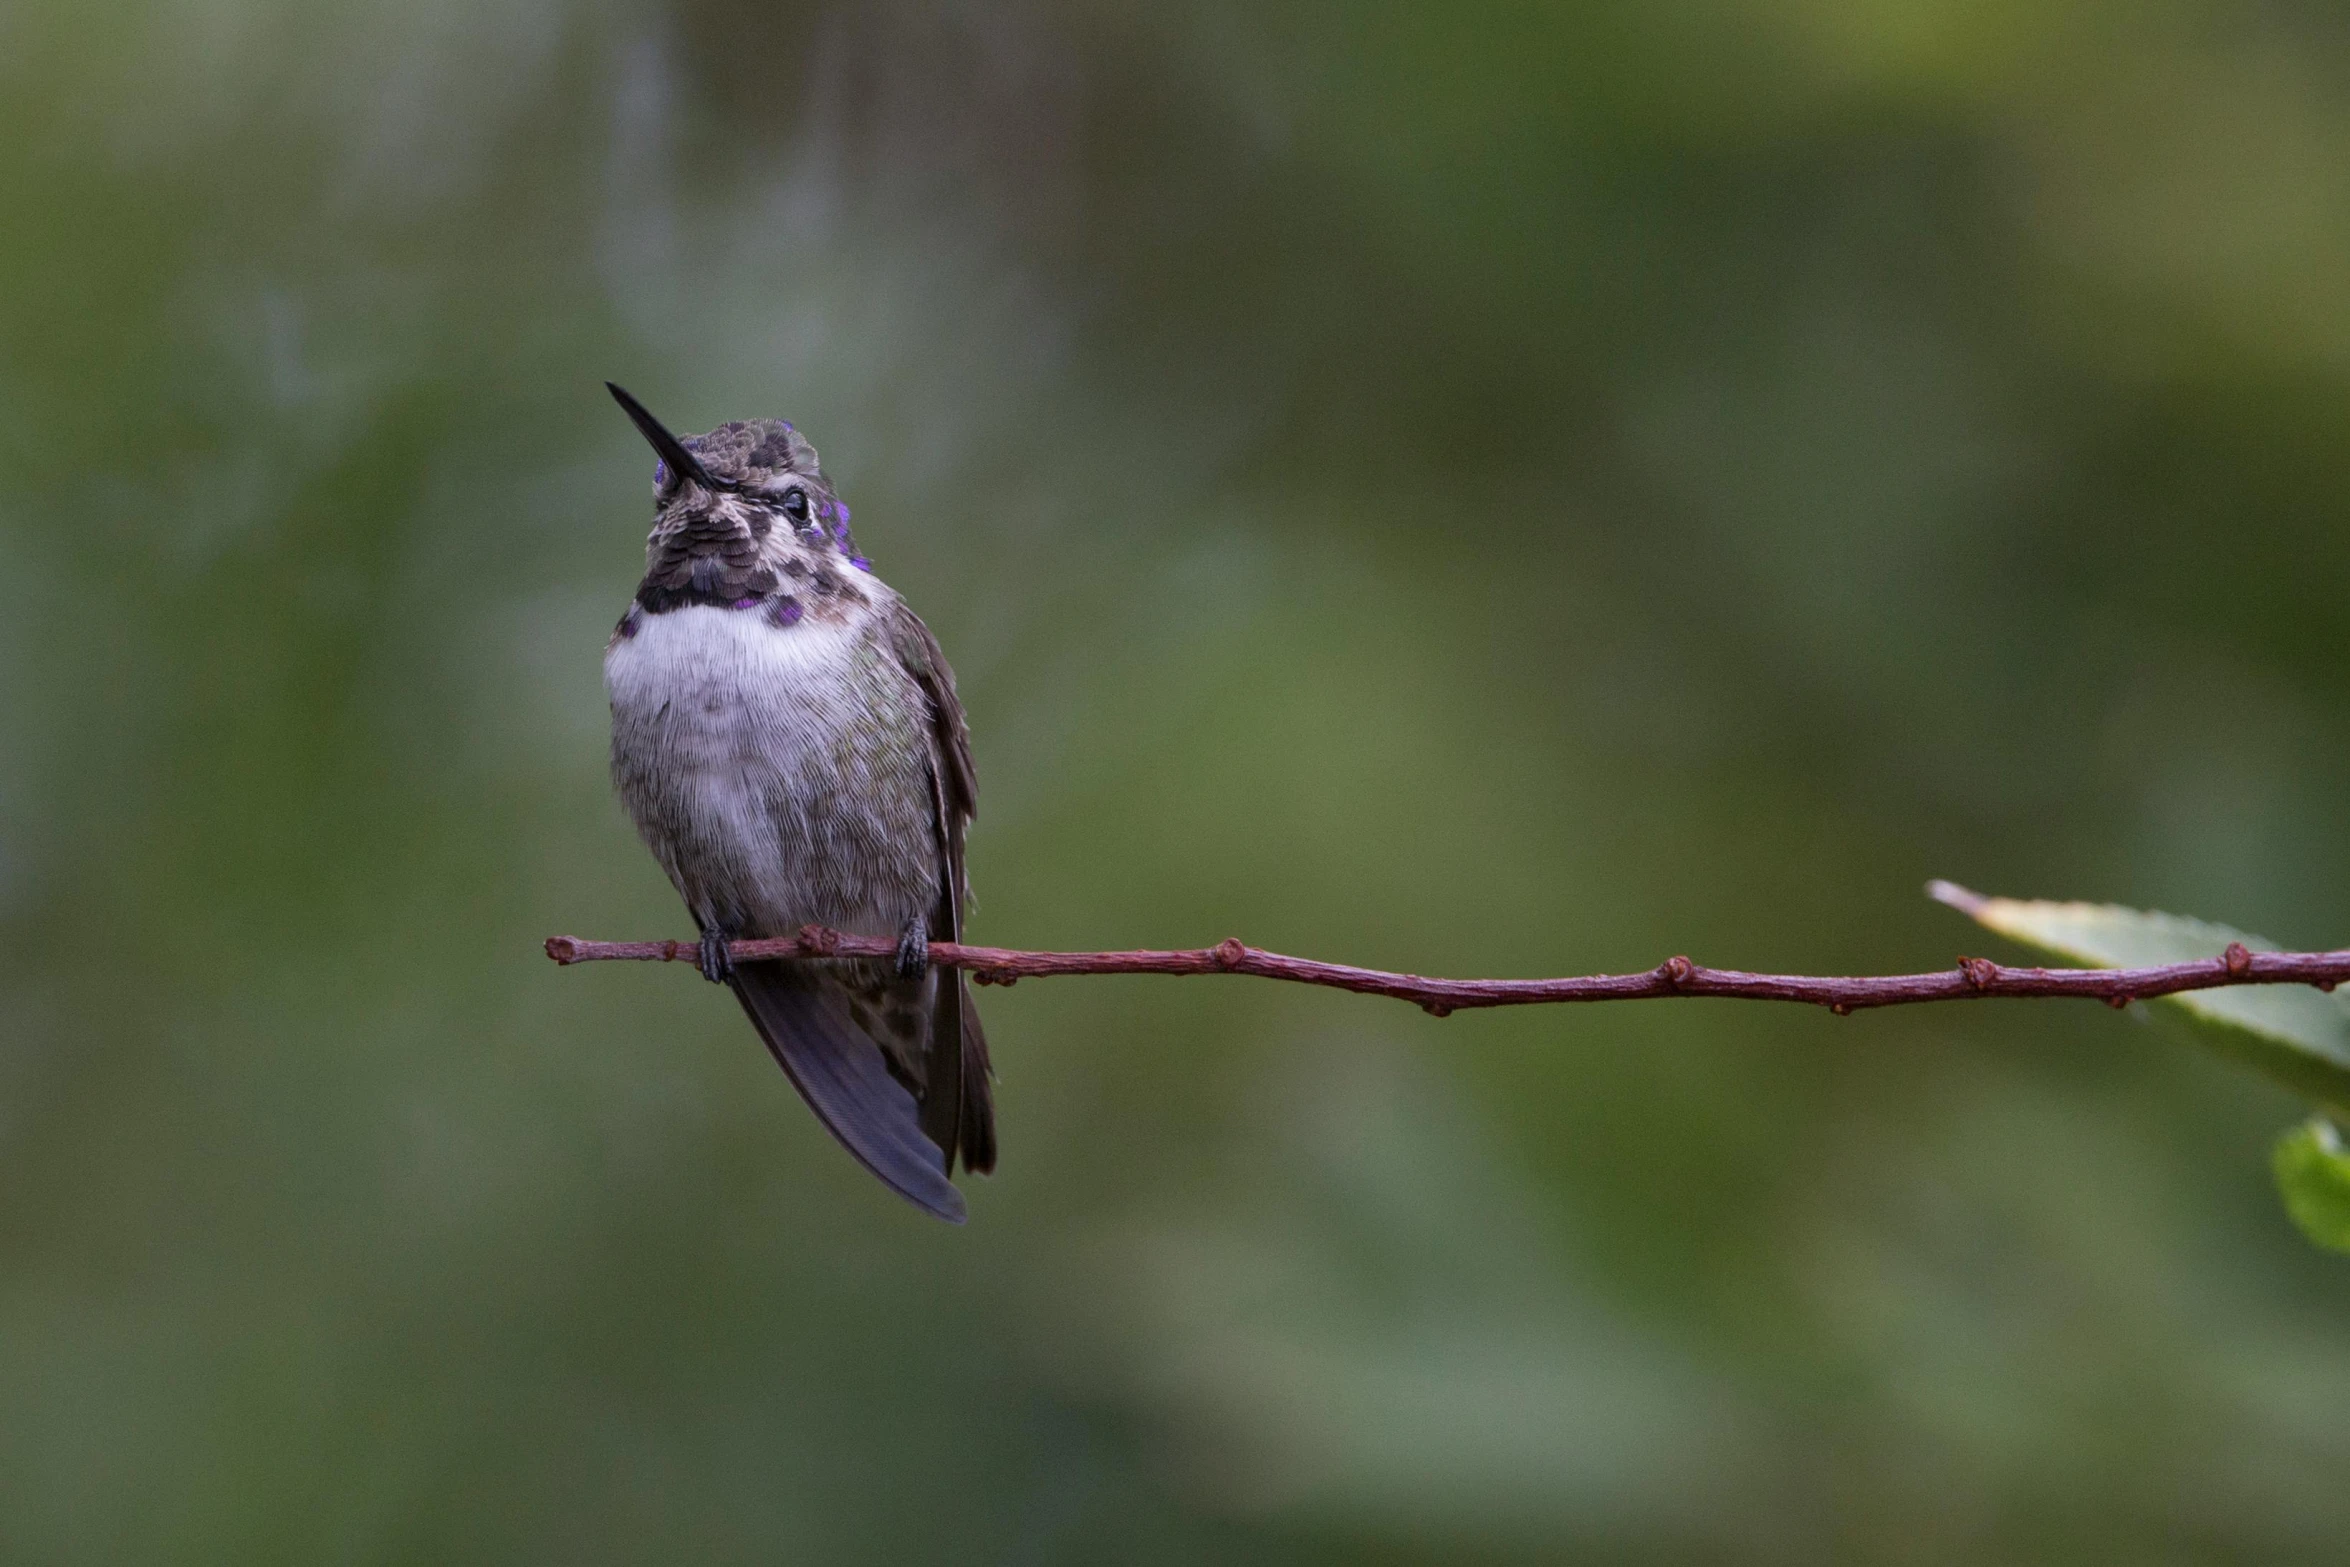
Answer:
(1972, 979)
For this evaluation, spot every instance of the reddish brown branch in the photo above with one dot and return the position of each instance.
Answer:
(1972, 979)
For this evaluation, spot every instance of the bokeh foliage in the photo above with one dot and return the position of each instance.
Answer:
(1485, 489)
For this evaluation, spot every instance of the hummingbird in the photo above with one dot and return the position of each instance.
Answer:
(787, 738)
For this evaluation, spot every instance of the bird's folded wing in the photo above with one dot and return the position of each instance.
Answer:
(958, 1105)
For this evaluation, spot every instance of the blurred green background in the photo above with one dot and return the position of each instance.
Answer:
(1487, 488)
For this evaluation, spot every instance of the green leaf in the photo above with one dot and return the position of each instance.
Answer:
(2296, 1034)
(2313, 1175)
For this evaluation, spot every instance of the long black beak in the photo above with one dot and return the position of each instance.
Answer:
(682, 463)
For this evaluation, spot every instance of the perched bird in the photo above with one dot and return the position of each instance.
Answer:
(786, 735)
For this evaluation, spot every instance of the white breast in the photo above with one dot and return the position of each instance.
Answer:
(755, 760)
(718, 702)
(707, 652)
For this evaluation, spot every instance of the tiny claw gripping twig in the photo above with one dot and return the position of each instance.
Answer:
(914, 949)
(1981, 973)
(716, 957)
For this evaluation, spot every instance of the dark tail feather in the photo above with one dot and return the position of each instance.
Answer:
(942, 1069)
(978, 1096)
(846, 1081)
(958, 1109)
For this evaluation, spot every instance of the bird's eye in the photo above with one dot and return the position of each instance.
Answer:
(795, 505)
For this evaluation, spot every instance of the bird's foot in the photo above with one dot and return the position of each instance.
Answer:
(716, 966)
(914, 949)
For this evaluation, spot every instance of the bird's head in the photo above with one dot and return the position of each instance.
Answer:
(744, 519)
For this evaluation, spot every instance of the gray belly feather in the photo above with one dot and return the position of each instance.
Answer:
(780, 775)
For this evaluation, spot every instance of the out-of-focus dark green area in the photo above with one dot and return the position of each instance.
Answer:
(1481, 489)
